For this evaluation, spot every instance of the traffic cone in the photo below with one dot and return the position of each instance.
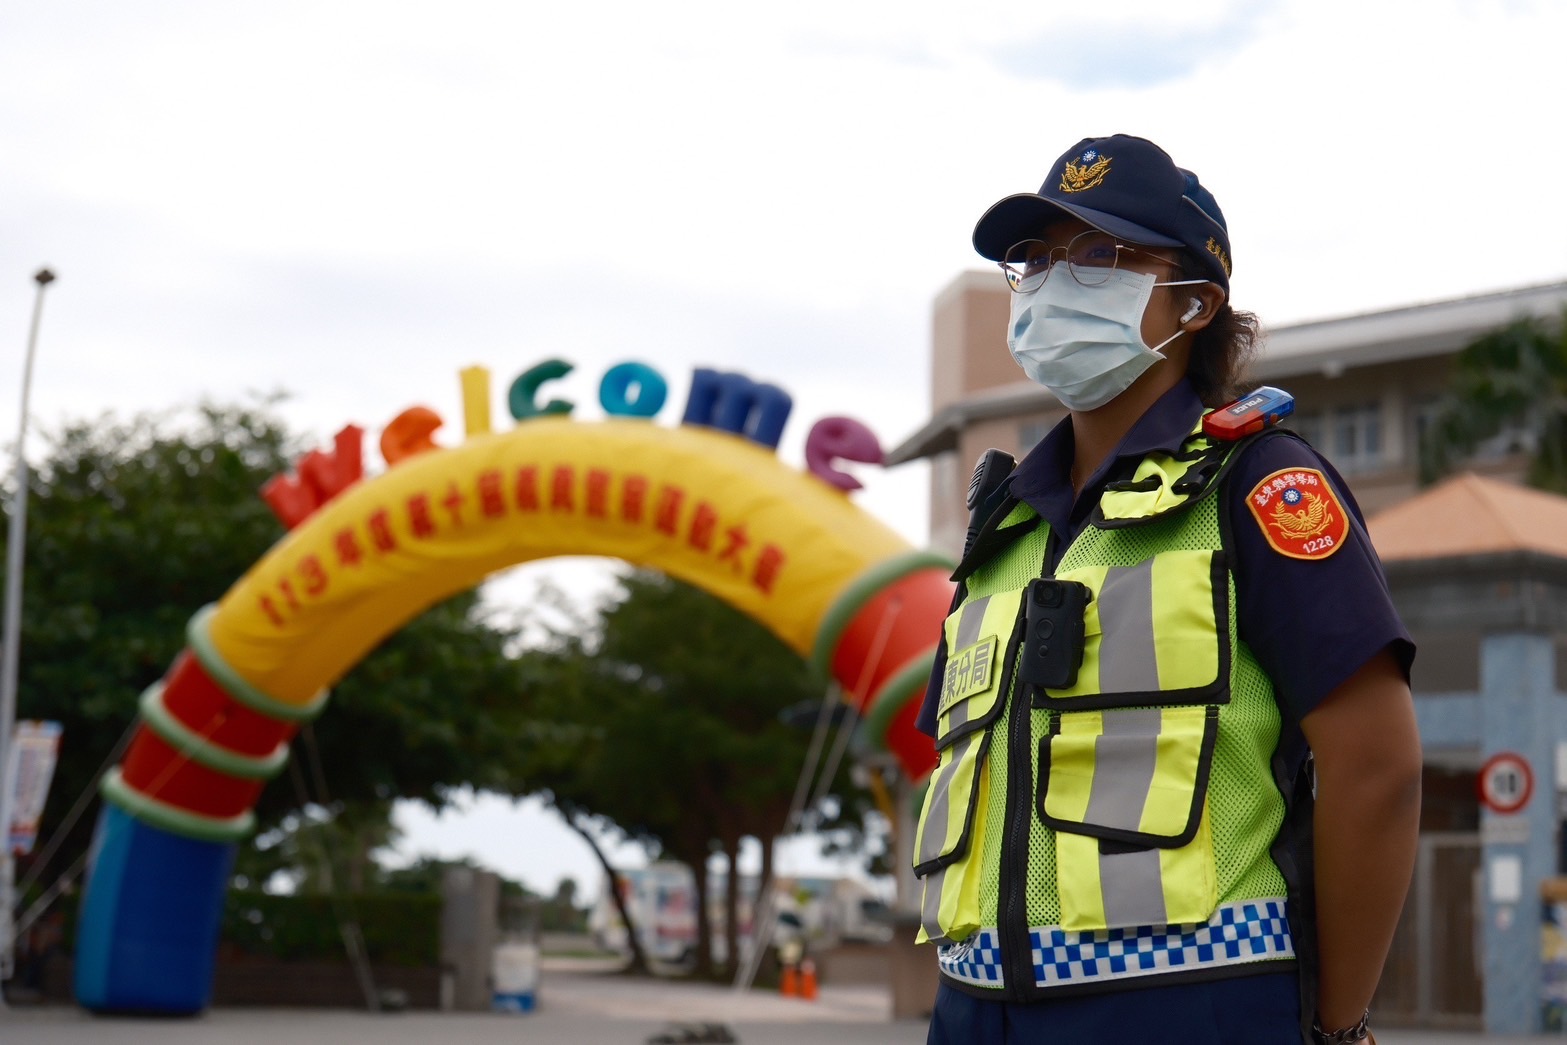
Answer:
(808, 980)
(789, 982)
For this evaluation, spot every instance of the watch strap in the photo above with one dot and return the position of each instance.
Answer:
(1359, 1032)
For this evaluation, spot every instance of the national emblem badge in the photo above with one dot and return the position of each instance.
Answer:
(1299, 513)
(1076, 177)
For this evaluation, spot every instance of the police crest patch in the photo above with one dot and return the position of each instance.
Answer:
(1085, 175)
(1299, 513)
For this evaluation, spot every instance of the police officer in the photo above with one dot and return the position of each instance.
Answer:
(1179, 781)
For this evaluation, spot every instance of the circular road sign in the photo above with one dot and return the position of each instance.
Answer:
(1506, 782)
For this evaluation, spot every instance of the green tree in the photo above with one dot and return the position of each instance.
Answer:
(133, 526)
(322, 850)
(560, 913)
(426, 873)
(665, 717)
(1511, 380)
(435, 707)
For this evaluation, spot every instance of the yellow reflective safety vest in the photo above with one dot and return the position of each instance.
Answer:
(1119, 829)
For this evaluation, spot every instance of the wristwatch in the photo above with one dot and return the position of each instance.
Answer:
(1359, 1032)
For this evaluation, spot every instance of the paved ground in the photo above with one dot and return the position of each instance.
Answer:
(575, 1009)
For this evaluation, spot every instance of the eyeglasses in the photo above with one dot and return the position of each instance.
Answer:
(1090, 257)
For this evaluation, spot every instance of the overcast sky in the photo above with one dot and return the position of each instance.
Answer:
(351, 201)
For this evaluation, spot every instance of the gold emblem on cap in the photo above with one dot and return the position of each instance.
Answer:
(1218, 252)
(1077, 178)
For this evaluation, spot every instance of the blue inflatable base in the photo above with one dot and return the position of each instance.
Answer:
(147, 935)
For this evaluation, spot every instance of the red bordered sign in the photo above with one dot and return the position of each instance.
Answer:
(1506, 782)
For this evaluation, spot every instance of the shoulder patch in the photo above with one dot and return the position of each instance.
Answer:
(1299, 513)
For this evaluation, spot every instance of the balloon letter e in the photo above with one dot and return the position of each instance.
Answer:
(840, 438)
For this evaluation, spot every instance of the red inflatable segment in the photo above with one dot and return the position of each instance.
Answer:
(156, 769)
(207, 710)
(878, 641)
(915, 751)
(894, 626)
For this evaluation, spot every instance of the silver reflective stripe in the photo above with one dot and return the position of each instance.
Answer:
(1132, 889)
(969, 623)
(968, 634)
(1126, 624)
(933, 840)
(930, 907)
(1125, 756)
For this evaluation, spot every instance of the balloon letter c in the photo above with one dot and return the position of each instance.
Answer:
(525, 390)
(408, 434)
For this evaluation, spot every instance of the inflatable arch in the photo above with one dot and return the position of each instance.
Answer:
(710, 508)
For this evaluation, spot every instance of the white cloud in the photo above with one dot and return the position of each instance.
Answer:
(1132, 46)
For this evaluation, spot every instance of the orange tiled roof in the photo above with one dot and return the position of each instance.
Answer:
(1471, 515)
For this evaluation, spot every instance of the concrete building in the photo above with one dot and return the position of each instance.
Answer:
(1478, 568)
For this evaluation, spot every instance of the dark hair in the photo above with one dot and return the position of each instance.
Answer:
(1223, 350)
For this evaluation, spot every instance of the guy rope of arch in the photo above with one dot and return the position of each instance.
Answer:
(707, 506)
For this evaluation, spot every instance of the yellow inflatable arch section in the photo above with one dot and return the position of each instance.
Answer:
(700, 504)
(710, 508)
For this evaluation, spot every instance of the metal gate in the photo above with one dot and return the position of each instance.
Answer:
(1432, 977)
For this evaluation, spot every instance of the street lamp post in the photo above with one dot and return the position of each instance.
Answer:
(16, 538)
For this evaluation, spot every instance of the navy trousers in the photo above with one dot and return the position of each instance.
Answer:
(1247, 1010)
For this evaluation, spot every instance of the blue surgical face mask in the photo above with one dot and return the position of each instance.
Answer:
(1085, 344)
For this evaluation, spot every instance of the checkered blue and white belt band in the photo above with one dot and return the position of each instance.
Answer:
(1238, 933)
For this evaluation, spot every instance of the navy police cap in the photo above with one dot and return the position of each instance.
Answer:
(1126, 186)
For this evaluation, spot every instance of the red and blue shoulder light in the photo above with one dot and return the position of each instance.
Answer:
(1250, 413)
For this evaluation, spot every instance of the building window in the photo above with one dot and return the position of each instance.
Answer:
(1357, 438)
(1309, 428)
(1349, 436)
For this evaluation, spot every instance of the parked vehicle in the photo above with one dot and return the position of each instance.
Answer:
(661, 898)
(836, 910)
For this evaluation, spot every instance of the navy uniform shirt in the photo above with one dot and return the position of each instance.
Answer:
(1312, 623)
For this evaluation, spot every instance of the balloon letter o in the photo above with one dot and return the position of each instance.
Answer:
(615, 390)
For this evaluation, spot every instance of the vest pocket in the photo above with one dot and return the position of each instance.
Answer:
(982, 639)
(955, 812)
(1157, 632)
(1126, 792)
